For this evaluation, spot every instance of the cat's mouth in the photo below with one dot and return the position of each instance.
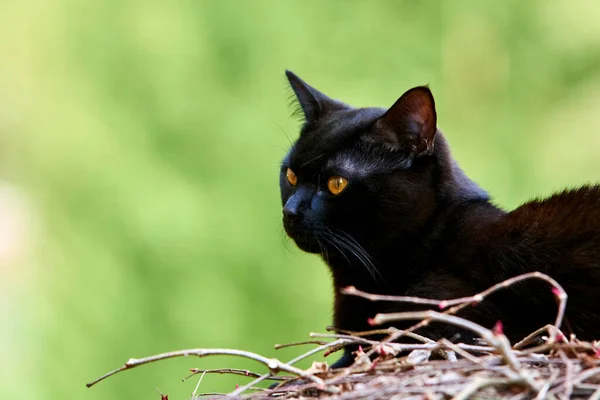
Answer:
(307, 244)
(302, 237)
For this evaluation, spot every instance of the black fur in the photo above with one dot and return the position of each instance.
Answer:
(410, 222)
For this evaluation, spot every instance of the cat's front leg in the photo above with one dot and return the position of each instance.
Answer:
(346, 360)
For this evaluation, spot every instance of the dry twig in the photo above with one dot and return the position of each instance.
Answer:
(272, 363)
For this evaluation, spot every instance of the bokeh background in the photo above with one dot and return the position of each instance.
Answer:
(139, 151)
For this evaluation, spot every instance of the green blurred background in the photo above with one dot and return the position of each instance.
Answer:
(139, 151)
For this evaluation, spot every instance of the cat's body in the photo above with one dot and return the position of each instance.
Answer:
(407, 221)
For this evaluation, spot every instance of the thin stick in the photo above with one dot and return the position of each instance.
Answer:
(316, 350)
(242, 389)
(232, 371)
(282, 346)
(568, 374)
(272, 363)
(462, 302)
(586, 375)
(261, 378)
(198, 385)
(348, 338)
(544, 390)
(448, 344)
(498, 341)
(558, 346)
(386, 331)
(430, 345)
(352, 291)
(351, 335)
(529, 338)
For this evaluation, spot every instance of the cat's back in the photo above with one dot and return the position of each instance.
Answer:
(555, 235)
(559, 236)
(564, 217)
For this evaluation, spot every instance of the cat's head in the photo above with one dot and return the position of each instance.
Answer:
(361, 176)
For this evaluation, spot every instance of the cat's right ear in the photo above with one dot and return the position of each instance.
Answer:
(409, 124)
(313, 103)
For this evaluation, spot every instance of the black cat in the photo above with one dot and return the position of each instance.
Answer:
(377, 194)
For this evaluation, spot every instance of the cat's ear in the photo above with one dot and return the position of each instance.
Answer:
(410, 124)
(313, 103)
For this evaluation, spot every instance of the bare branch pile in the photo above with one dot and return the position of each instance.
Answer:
(545, 365)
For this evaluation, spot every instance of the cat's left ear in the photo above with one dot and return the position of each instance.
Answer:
(313, 103)
(410, 124)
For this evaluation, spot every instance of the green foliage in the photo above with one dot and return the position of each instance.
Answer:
(141, 141)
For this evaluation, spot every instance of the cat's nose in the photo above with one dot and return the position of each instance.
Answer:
(297, 204)
(290, 213)
(291, 207)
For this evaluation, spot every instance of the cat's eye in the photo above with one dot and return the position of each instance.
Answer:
(337, 184)
(291, 177)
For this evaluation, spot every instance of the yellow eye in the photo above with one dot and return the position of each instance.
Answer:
(337, 184)
(291, 177)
